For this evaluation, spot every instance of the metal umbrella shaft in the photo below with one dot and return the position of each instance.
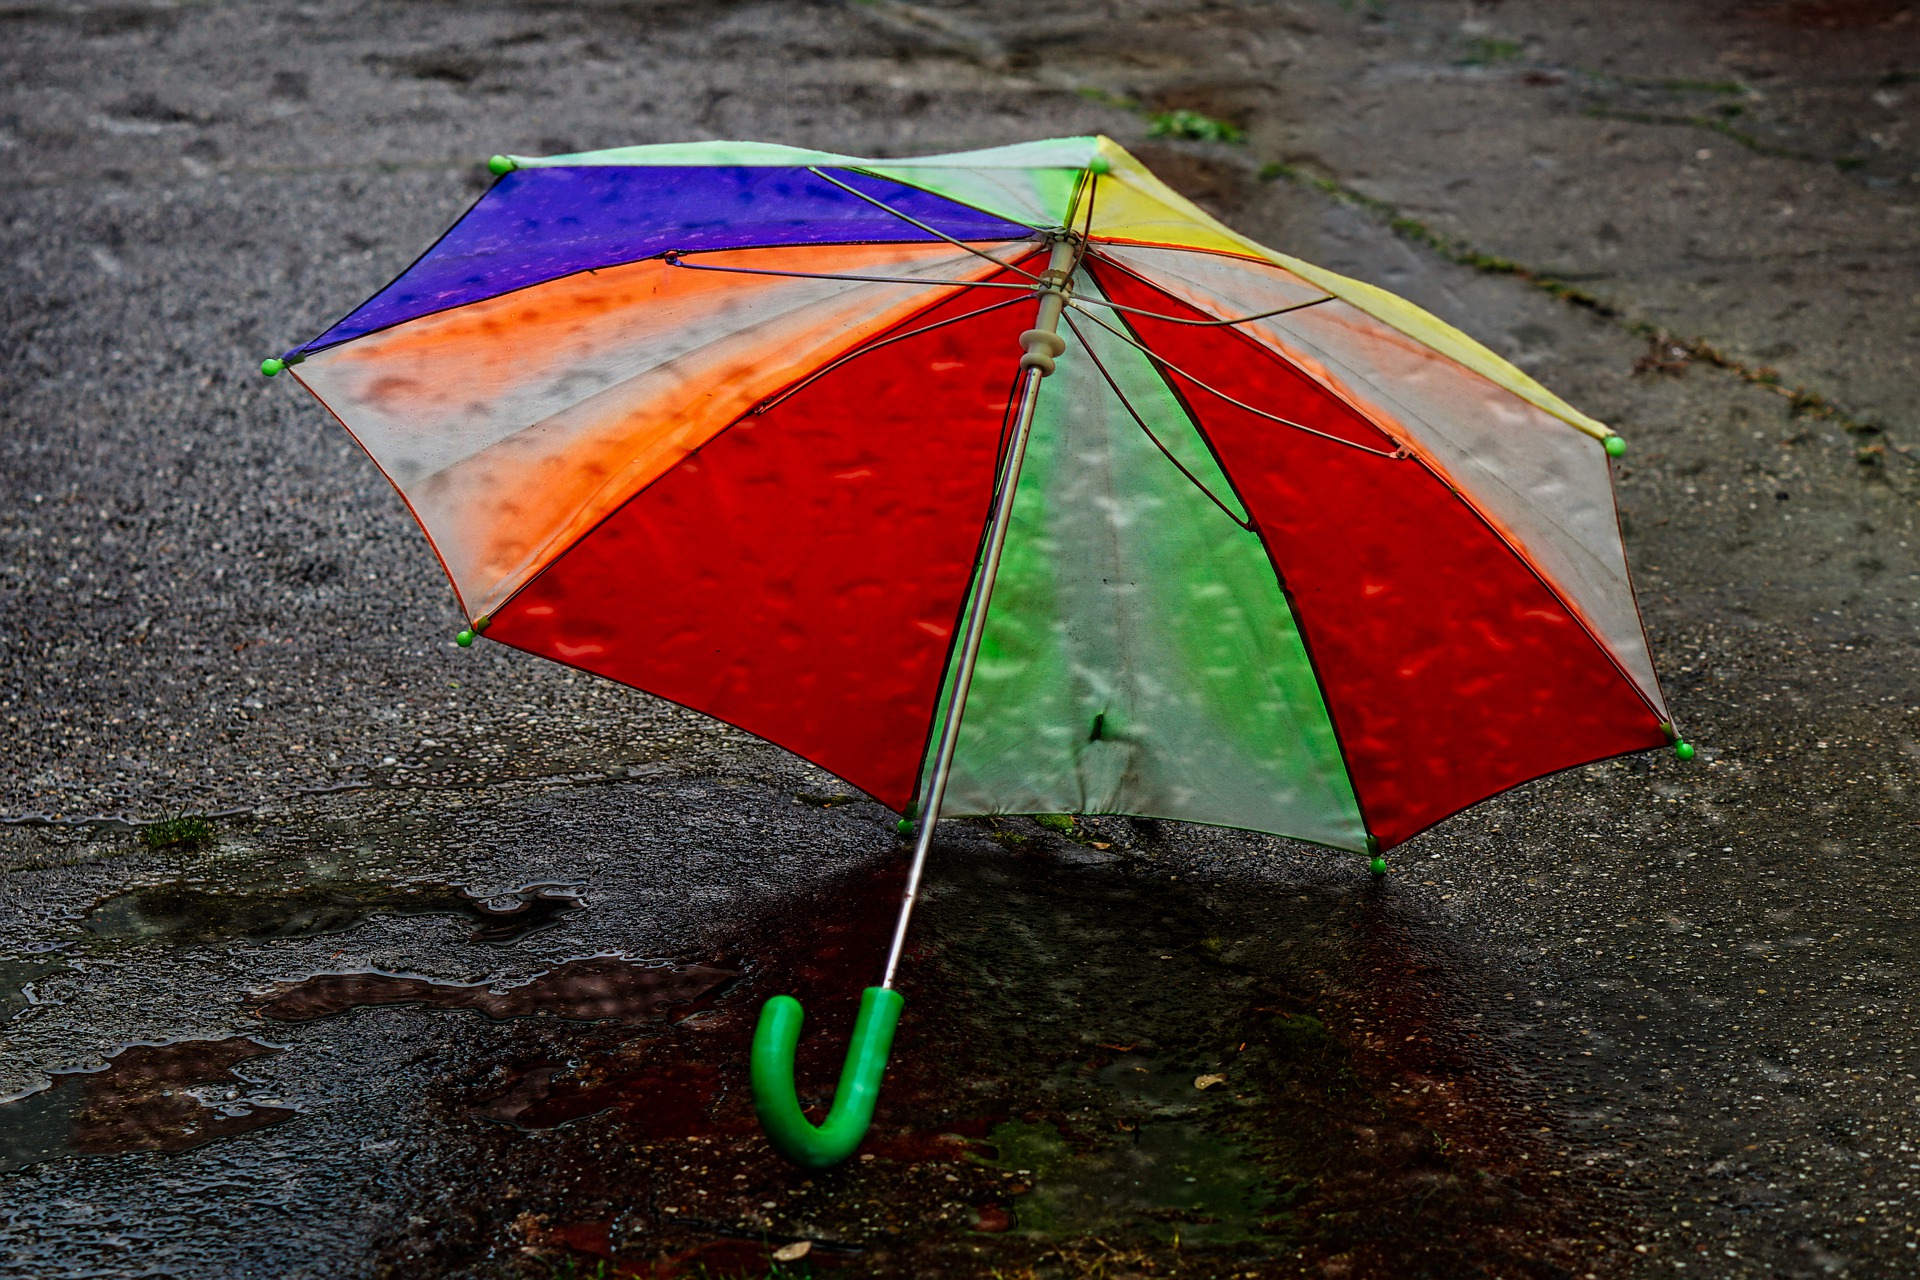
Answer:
(1042, 343)
(778, 1033)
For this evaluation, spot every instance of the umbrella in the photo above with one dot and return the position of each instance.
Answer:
(1006, 481)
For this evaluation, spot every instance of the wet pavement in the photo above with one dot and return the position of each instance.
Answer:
(463, 983)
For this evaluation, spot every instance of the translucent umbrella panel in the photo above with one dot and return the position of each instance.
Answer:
(1139, 655)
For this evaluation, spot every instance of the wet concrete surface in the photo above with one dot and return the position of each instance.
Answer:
(1641, 1019)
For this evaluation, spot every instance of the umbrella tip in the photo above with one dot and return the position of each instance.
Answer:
(1378, 866)
(1683, 751)
(464, 638)
(272, 365)
(500, 166)
(1615, 446)
(904, 827)
(1099, 164)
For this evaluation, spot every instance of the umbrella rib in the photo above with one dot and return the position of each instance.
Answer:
(875, 345)
(1258, 315)
(1157, 315)
(1142, 424)
(1093, 191)
(673, 259)
(1239, 404)
(912, 221)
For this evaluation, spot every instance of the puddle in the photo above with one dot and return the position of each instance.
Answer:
(601, 989)
(16, 983)
(185, 913)
(1042, 1101)
(170, 1097)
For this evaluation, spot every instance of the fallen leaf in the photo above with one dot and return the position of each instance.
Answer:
(1208, 1081)
(991, 1217)
(793, 1252)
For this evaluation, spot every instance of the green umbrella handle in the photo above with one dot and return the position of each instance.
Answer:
(792, 1134)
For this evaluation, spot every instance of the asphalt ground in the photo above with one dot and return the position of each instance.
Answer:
(1696, 221)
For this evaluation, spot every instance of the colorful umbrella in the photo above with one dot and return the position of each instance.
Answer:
(837, 449)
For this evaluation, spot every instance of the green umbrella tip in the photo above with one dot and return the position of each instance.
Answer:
(465, 638)
(1099, 164)
(904, 827)
(1683, 751)
(1615, 446)
(1378, 866)
(272, 365)
(500, 166)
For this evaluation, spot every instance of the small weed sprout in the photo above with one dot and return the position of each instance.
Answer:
(1193, 126)
(186, 832)
(1489, 50)
(1107, 98)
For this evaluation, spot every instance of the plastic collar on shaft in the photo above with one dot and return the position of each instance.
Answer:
(1041, 350)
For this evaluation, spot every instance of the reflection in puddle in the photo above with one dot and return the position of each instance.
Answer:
(169, 1097)
(1095, 1065)
(185, 913)
(1167, 1179)
(602, 989)
(666, 1095)
(1169, 1167)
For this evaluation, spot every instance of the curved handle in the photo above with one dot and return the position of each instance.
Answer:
(792, 1134)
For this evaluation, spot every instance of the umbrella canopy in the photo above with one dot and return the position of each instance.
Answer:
(723, 421)
(1234, 540)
